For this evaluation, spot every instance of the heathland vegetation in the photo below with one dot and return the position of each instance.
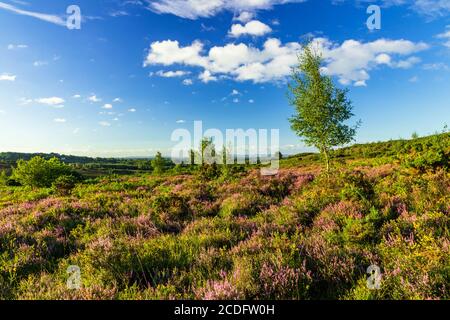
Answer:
(224, 231)
(234, 234)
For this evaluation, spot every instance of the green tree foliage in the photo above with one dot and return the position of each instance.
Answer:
(321, 107)
(63, 185)
(428, 153)
(3, 178)
(209, 169)
(208, 150)
(39, 172)
(158, 163)
(191, 157)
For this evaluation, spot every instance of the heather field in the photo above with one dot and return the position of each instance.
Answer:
(229, 233)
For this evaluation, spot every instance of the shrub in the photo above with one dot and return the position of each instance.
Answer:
(63, 185)
(39, 172)
(3, 178)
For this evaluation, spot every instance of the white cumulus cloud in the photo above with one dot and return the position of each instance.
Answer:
(171, 74)
(94, 98)
(351, 61)
(51, 101)
(244, 16)
(7, 77)
(252, 28)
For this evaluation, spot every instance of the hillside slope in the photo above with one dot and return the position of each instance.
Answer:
(298, 235)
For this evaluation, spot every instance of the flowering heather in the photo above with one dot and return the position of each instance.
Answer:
(218, 290)
(297, 235)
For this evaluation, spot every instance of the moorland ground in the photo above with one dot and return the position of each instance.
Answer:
(226, 232)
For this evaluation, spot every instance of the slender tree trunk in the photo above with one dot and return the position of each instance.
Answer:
(327, 159)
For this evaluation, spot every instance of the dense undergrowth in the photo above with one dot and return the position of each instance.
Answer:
(299, 235)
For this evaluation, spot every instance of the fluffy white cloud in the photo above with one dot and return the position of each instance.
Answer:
(169, 52)
(107, 106)
(171, 74)
(7, 77)
(206, 77)
(118, 100)
(252, 28)
(94, 98)
(350, 61)
(244, 16)
(52, 101)
(76, 96)
(193, 9)
(132, 110)
(60, 120)
(188, 82)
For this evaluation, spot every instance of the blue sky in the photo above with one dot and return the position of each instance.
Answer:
(138, 70)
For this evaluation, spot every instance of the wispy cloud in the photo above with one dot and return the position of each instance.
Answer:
(104, 124)
(17, 46)
(194, 9)
(40, 63)
(446, 36)
(170, 74)
(52, 101)
(94, 98)
(7, 77)
(41, 16)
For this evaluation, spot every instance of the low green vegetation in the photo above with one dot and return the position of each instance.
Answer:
(226, 232)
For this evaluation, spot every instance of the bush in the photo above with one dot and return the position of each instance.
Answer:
(63, 185)
(429, 153)
(3, 178)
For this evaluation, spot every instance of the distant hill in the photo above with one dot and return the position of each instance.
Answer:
(14, 156)
(366, 150)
